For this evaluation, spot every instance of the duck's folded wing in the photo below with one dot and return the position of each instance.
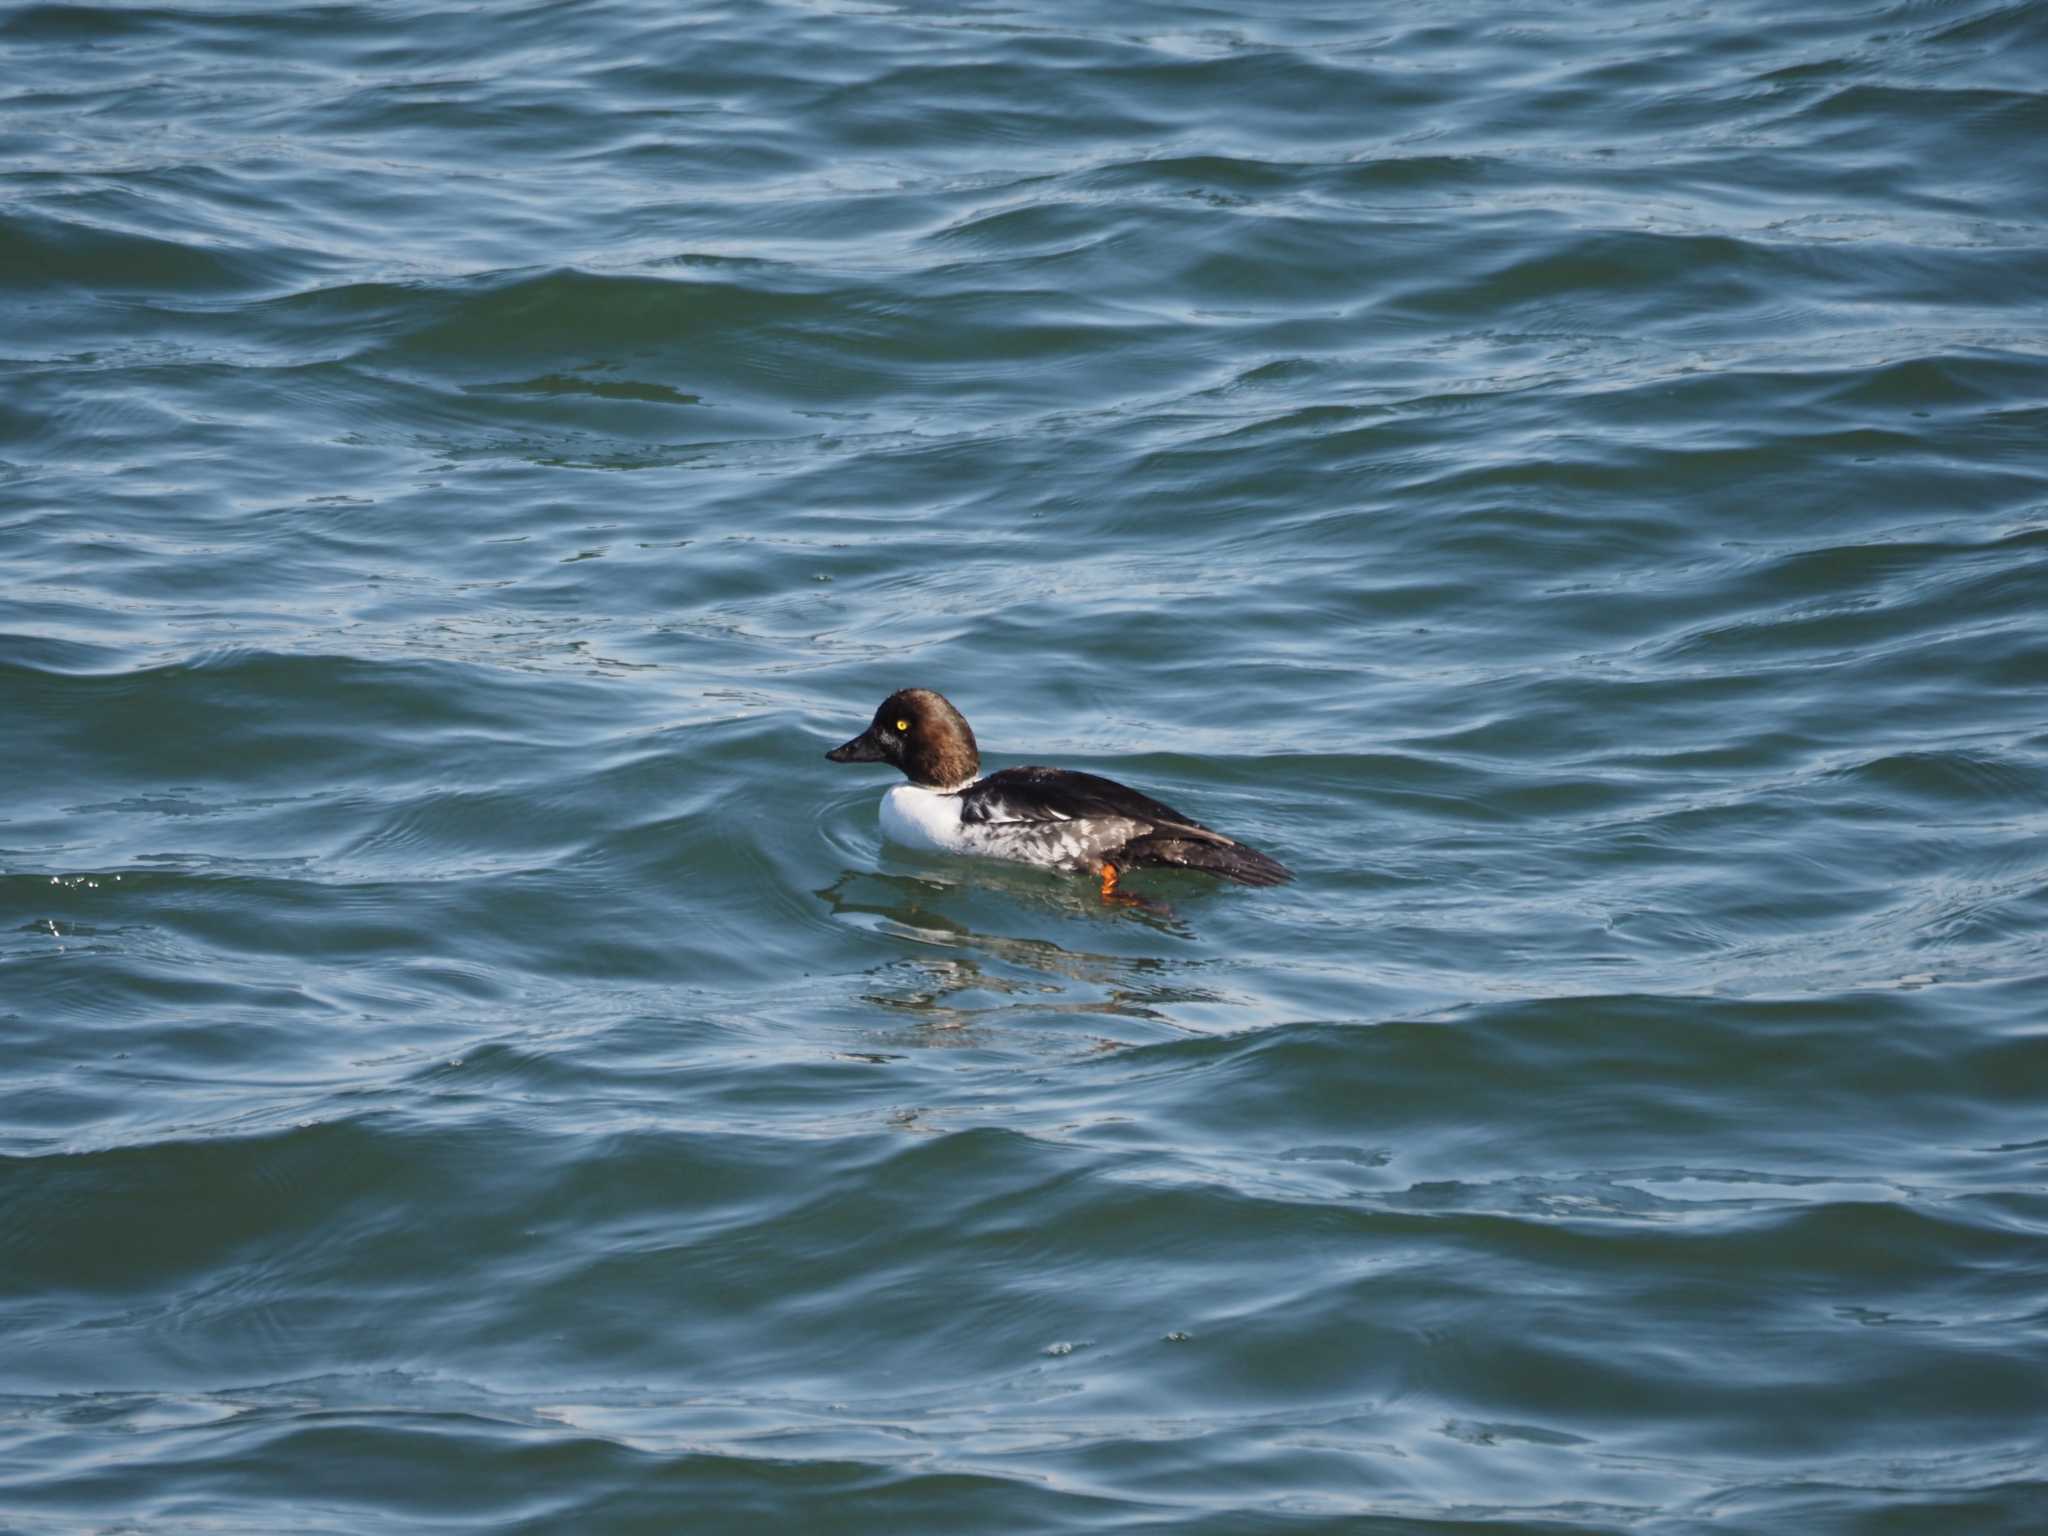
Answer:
(1062, 794)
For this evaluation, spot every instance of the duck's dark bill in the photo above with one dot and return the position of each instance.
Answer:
(862, 749)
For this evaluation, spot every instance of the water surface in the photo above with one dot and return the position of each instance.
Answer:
(1570, 484)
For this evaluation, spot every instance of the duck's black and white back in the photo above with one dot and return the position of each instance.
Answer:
(1054, 817)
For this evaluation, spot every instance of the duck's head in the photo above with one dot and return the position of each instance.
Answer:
(919, 732)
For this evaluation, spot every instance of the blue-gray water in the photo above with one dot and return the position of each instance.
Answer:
(1570, 480)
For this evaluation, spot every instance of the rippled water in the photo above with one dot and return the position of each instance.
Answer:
(1572, 481)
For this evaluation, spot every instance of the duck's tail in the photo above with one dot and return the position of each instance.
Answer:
(1227, 861)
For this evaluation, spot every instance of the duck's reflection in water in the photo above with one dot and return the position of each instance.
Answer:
(978, 980)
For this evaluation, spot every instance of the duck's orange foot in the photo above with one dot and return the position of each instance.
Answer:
(1112, 897)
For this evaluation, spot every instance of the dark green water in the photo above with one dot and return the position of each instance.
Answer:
(1572, 481)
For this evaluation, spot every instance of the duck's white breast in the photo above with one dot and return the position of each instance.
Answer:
(921, 818)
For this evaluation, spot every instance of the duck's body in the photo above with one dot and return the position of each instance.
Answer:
(1053, 817)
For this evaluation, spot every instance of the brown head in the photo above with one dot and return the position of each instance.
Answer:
(919, 732)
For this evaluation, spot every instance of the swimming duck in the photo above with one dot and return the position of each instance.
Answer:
(1053, 817)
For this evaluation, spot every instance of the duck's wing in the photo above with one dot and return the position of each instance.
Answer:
(1177, 850)
(1063, 794)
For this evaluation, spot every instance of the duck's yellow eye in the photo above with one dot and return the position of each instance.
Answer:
(902, 725)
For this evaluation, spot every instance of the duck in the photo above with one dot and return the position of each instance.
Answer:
(1055, 818)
